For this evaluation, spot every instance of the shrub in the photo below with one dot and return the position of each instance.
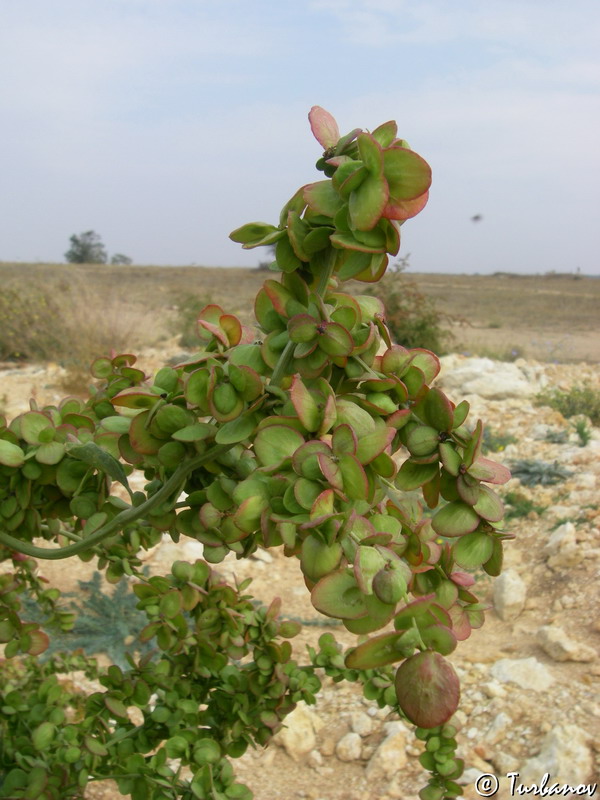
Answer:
(291, 441)
(584, 399)
(413, 319)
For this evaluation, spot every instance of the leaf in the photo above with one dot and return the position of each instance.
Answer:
(276, 443)
(376, 652)
(367, 203)
(11, 455)
(371, 445)
(305, 405)
(196, 432)
(98, 458)
(116, 707)
(490, 471)
(473, 550)
(408, 175)
(253, 233)
(32, 424)
(367, 563)
(428, 689)
(236, 430)
(489, 505)
(323, 198)
(337, 595)
(335, 340)
(455, 519)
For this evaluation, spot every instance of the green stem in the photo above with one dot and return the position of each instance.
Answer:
(126, 517)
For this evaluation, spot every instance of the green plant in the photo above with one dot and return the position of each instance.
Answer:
(495, 442)
(557, 436)
(583, 432)
(532, 472)
(87, 248)
(517, 505)
(103, 623)
(413, 319)
(584, 399)
(288, 441)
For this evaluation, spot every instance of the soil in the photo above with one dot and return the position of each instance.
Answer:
(566, 596)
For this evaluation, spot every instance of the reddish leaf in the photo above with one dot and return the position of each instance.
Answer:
(324, 127)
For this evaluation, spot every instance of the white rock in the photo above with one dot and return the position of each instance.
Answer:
(361, 723)
(500, 726)
(469, 776)
(565, 755)
(491, 379)
(314, 759)
(563, 536)
(493, 689)
(389, 757)
(262, 555)
(510, 593)
(349, 747)
(527, 673)
(560, 647)
(298, 737)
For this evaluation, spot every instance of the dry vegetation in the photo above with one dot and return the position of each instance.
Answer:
(71, 313)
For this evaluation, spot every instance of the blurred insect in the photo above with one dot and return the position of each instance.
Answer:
(476, 218)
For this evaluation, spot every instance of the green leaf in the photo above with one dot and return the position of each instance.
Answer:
(323, 198)
(11, 455)
(407, 174)
(98, 458)
(371, 445)
(473, 550)
(276, 443)
(305, 405)
(337, 595)
(115, 706)
(367, 203)
(455, 519)
(50, 453)
(376, 652)
(196, 432)
(43, 735)
(335, 340)
(489, 505)
(32, 424)
(236, 430)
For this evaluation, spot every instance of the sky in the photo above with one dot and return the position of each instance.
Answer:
(165, 124)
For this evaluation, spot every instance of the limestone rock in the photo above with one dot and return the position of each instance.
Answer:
(565, 755)
(562, 537)
(509, 595)
(527, 673)
(349, 747)
(560, 647)
(298, 737)
(486, 378)
(501, 725)
(389, 757)
(361, 723)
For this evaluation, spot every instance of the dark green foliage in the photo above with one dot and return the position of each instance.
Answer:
(517, 505)
(496, 441)
(584, 399)
(533, 473)
(87, 248)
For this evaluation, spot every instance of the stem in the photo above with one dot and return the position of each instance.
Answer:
(126, 517)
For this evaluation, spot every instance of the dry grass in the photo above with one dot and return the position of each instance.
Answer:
(543, 317)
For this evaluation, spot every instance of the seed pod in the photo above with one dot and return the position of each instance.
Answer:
(389, 584)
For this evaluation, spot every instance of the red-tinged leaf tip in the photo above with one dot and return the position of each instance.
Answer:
(324, 127)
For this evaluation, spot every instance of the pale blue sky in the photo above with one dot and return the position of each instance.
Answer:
(165, 124)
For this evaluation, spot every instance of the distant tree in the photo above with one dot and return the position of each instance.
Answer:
(119, 258)
(87, 248)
